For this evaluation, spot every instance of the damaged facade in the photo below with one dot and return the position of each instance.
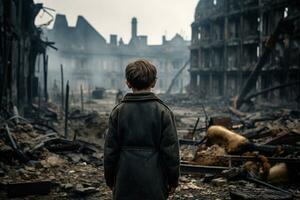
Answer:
(90, 60)
(229, 36)
(20, 45)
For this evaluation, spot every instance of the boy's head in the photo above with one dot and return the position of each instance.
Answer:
(140, 75)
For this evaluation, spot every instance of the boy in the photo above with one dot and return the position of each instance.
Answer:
(141, 153)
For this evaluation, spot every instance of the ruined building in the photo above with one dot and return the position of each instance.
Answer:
(229, 36)
(20, 44)
(91, 61)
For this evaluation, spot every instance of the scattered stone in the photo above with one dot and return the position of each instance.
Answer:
(67, 186)
(80, 189)
(52, 161)
(219, 181)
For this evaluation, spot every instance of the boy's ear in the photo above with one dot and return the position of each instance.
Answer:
(154, 83)
(128, 84)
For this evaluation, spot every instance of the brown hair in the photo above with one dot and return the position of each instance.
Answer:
(141, 74)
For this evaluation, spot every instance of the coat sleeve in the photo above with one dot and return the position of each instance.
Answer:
(169, 148)
(111, 151)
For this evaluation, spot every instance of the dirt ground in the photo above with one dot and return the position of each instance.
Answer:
(76, 175)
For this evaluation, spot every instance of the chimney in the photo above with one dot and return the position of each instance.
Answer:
(60, 22)
(113, 39)
(143, 40)
(134, 27)
(164, 39)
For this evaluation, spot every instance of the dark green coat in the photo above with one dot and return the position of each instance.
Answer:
(141, 154)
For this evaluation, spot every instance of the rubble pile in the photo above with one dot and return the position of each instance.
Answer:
(193, 99)
(248, 156)
(210, 155)
(90, 124)
(194, 188)
(261, 148)
(33, 154)
(269, 126)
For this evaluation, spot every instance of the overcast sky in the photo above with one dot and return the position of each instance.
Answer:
(155, 17)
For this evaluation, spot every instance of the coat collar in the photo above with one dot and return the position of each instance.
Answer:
(145, 96)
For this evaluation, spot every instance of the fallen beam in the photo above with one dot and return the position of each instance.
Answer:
(236, 112)
(201, 169)
(15, 146)
(195, 126)
(63, 145)
(255, 158)
(176, 76)
(260, 182)
(44, 127)
(284, 26)
(284, 138)
(271, 149)
(250, 193)
(265, 91)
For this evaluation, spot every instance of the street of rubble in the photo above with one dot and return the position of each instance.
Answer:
(39, 162)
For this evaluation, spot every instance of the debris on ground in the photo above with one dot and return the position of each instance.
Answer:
(261, 148)
(223, 155)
